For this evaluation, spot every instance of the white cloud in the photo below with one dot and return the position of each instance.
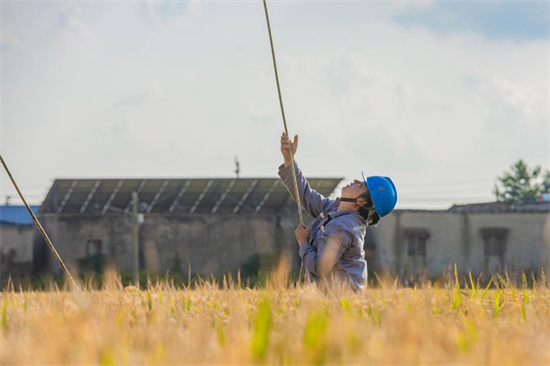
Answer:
(67, 24)
(119, 92)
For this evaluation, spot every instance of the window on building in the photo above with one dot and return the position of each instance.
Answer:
(494, 241)
(416, 247)
(416, 242)
(94, 247)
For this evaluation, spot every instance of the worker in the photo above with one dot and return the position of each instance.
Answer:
(332, 247)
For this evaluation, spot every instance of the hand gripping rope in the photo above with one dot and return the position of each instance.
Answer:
(40, 227)
(297, 193)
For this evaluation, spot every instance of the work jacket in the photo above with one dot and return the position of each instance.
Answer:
(335, 249)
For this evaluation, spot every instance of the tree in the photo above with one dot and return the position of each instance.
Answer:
(522, 183)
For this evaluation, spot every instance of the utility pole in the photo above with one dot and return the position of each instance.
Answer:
(237, 167)
(136, 238)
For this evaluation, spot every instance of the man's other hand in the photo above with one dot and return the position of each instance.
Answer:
(302, 234)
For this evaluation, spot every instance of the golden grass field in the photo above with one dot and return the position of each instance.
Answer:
(454, 324)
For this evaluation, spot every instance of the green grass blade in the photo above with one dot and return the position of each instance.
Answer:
(262, 322)
(473, 286)
(486, 288)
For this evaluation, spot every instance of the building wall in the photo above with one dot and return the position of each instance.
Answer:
(202, 244)
(456, 238)
(526, 245)
(217, 244)
(16, 243)
(16, 248)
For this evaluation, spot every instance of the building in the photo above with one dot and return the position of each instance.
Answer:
(478, 238)
(16, 241)
(214, 226)
(198, 226)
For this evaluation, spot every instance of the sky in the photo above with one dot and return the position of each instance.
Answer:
(442, 96)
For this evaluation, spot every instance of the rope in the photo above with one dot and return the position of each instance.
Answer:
(40, 226)
(296, 192)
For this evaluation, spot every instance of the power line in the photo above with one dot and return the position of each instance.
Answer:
(445, 191)
(477, 181)
(444, 198)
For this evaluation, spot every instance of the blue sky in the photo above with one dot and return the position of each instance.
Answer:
(441, 96)
(510, 20)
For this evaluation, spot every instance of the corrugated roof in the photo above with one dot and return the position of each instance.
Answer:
(11, 215)
(481, 207)
(175, 196)
(538, 206)
(500, 207)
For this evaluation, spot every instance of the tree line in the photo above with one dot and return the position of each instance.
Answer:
(522, 183)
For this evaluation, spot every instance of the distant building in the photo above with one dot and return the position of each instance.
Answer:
(201, 226)
(481, 238)
(214, 226)
(16, 241)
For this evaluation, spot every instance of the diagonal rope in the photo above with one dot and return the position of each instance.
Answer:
(42, 231)
(296, 192)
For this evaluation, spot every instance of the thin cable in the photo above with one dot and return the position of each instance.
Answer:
(42, 231)
(296, 192)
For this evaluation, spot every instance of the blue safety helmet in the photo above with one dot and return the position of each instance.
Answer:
(382, 192)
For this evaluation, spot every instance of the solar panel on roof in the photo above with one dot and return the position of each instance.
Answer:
(175, 196)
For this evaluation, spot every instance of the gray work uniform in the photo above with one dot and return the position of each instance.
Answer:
(336, 243)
